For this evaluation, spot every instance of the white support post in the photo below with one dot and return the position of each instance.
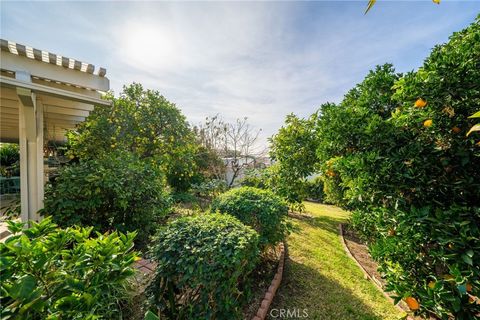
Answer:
(40, 171)
(23, 163)
(31, 152)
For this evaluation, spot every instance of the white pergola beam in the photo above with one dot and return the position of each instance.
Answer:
(15, 63)
(50, 91)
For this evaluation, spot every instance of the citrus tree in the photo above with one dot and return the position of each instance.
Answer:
(402, 152)
(412, 175)
(142, 122)
(292, 150)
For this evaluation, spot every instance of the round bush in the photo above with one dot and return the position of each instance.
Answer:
(203, 263)
(116, 192)
(261, 209)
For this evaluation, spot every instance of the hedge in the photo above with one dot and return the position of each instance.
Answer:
(203, 265)
(260, 209)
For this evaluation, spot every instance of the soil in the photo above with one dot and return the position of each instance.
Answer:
(360, 251)
(261, 279)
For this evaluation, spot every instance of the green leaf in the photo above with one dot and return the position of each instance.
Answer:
(474, 128)
(149, 315)
(462, 289)
(23, 287)
(467, 259)
(370, 5)
(475, 115)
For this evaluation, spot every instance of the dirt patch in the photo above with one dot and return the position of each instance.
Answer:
(261, 279)
(360, 251)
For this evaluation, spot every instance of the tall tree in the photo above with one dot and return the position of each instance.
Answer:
(293, 149)
(142, 122)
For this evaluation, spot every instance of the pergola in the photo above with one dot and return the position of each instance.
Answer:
(42, 96)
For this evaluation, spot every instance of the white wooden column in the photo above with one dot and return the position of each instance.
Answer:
(31, 151)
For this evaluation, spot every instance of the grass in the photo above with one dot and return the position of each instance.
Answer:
(319, 276)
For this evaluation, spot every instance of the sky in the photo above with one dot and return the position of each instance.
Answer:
(261, 60)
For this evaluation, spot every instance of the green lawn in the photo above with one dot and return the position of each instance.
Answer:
(321, 278)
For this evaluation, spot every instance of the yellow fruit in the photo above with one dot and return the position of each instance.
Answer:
(431, 284)
(330, 173)
(412, 303)
(427, 123)
(456, 129)
(420, 103)
(448, 277)
(436, 1)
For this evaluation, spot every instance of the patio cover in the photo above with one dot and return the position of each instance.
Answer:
(42, 95)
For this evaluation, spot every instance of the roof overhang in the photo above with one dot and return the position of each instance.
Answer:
(67, 89)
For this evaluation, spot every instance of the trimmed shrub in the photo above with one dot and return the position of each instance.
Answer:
(203, 263)
(116, 192)
(260, 209)
(53, 273)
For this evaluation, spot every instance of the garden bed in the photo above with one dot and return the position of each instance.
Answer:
(262, 278)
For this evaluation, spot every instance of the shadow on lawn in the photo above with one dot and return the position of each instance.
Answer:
(304, 288)
(328, 224)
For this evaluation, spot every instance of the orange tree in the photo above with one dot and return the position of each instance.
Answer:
(292, 150)
(142, 122)
(396, 152)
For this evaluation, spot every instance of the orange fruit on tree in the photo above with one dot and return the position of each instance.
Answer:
(431, 284)
(428, 123)
(420, 103)
(456, 129)
(330, 173)
(469, 287)
(412, 303)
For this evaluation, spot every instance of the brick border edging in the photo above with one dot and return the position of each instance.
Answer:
(272, 289)
(367, 275)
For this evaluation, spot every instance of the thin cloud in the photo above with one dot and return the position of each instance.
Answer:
(260, 60)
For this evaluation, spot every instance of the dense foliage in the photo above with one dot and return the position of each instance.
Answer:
(115, 192)
(315, 190)
(399, 150)
(203, 262)
(395, 151)
(293, 151)
(261, 209)
(146, 124)
(9, 159)
(53, 273)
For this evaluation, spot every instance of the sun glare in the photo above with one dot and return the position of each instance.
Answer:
(147, 45)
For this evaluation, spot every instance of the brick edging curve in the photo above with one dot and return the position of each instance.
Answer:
(366, 274)
(272, 289)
